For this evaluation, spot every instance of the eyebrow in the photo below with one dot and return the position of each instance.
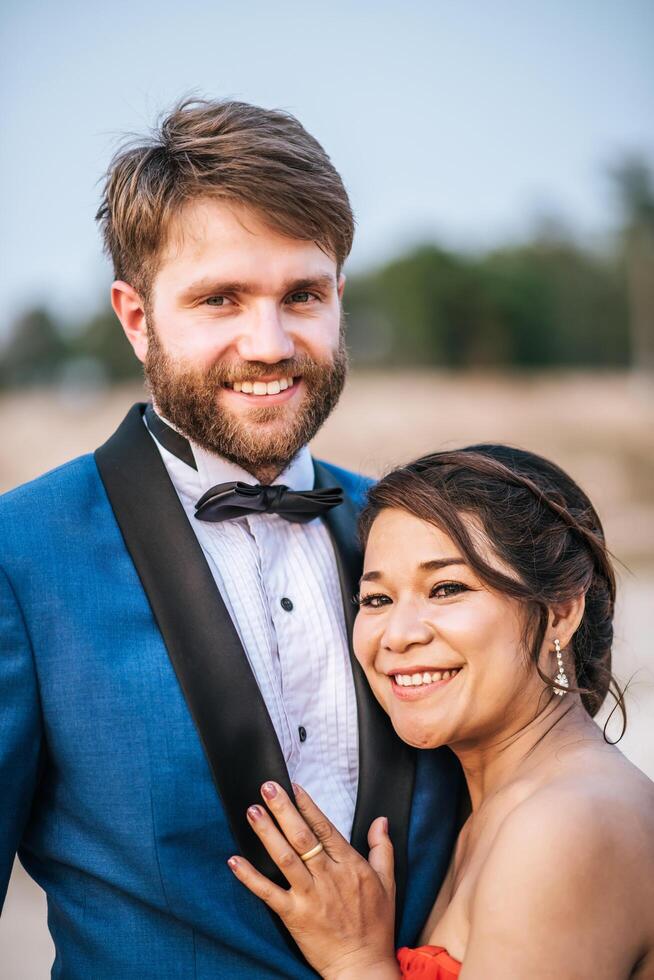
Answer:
(212, 287)
(426, 566)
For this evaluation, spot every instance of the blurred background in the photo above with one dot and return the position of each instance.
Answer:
(500, 161)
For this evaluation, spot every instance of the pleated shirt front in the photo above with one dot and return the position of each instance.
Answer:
(280, 584)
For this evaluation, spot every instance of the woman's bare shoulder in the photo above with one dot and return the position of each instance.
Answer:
(581, 844)
(600, 801)
(572, 867)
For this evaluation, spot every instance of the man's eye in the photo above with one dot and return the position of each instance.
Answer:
(444, 590)
(301, 297)
(216, 301)
(373, 601)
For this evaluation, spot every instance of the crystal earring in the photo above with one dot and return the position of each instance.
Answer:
(561, 678)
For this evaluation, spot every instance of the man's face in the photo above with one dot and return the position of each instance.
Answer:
(243, 346)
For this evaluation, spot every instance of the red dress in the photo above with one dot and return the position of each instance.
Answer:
(428, 963)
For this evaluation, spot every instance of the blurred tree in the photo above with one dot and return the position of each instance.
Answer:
(558, 305)
(102, 339)
(432, 305)
(542, 304)
(34, 351)
(635, 185)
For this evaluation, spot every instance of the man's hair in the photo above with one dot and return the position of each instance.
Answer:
(229, 151)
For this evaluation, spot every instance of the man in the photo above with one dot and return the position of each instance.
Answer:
(176, 624)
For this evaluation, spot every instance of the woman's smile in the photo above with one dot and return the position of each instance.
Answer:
(412, 686)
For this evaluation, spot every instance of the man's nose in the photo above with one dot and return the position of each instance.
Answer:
(265, 338)
(404, 629)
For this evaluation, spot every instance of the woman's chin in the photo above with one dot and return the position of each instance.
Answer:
(420, 736)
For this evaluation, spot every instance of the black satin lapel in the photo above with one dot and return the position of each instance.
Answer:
(221, 692)
(386, 764)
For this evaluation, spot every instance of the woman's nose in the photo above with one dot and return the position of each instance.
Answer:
(265, 339)
(405, 629)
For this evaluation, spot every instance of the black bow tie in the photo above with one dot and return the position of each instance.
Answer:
(229, 500)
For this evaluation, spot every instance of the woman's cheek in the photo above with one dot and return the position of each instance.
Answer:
(366, 637)
(359, 640)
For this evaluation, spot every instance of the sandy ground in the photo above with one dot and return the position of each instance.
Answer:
(600, 428)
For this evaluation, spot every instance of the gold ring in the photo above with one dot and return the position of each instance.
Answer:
(312, 853)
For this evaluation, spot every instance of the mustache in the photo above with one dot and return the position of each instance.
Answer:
(223, 372)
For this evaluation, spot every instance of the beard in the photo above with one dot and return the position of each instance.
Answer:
(263, 440)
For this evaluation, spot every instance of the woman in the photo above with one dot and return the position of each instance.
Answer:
(485, 624)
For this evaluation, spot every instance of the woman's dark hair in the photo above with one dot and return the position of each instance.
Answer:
(540, 524)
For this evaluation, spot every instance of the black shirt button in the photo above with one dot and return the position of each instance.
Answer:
(302, 733)
(286, 604)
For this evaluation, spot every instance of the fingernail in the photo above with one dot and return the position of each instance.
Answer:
(269, 790)
(385, 824)
(233, 863)
(254, 812)
(297, 789)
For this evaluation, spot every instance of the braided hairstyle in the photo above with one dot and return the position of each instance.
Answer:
(540, 524)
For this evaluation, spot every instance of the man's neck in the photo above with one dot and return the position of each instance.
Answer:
(265, 474)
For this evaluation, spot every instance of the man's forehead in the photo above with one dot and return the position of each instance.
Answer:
(203, 221)
(234, 243)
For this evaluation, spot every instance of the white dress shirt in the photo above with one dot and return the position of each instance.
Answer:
(280, 584)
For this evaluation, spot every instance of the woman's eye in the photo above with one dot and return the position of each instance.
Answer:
(444, 590)
(216, 301)
(372, 601)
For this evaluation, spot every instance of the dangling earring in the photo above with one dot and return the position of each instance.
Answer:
(561, 678)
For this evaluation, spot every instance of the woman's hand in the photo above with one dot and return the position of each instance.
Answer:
(340, 908)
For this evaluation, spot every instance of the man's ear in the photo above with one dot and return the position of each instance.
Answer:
(340, 286)
(130, 310)
(564, 619)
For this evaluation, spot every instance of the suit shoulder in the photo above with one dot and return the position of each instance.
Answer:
(64, 490)
(355, 485)
(61, 479)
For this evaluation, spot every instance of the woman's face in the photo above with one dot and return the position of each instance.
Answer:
(442, 652)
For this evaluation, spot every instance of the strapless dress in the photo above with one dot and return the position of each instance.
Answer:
(428, 963)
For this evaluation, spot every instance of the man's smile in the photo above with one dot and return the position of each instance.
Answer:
(272, 392)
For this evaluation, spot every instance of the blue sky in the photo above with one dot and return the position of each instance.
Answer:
(461, 120)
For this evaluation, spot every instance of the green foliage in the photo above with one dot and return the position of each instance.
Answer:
(543, 304)
(634, 183)
(102, 339)
(35, 350)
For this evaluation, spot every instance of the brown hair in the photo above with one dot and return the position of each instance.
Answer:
(232, 151)
(540, 524)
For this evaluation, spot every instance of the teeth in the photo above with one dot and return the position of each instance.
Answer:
(427, 677)
(263, 387)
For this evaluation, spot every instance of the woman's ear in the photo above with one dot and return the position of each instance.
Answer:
(564, 620)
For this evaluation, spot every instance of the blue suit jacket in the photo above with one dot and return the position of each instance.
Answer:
(133, 734)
